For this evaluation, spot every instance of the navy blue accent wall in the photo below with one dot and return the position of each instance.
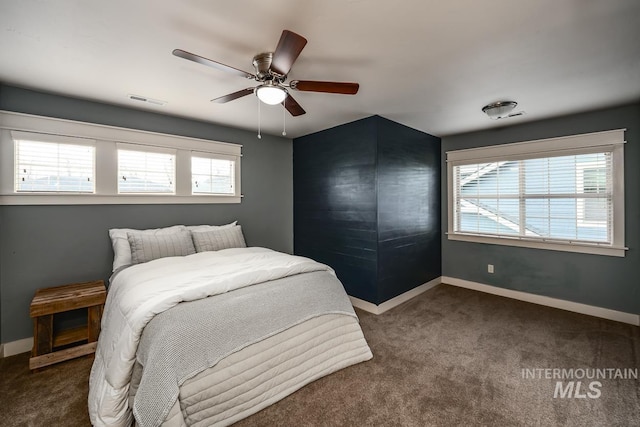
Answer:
(367, 203)
(409, 249)
(334, 192)
(602, 281)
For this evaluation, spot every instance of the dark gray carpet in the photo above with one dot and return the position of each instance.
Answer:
(449, 357)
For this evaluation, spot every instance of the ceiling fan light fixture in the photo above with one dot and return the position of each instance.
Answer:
(271, 94)
(499, 110)
(272, 69)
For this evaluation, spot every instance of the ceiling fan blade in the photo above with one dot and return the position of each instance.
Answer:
(204, 61)
(287, 51)
(293, 107)
(327, 87)
(234, 95)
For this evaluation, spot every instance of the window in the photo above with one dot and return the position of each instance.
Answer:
(211, 175)
(593, 179)
(541, 194)
(146, 170)
(49, 161)
(45, 164)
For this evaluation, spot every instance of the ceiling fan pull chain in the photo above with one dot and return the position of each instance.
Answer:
(284, 120)
(259, 136)
(271, 71)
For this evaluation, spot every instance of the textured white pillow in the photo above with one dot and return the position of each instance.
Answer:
(147, 247)
(221, 238)
(120, 243)
(210, 227)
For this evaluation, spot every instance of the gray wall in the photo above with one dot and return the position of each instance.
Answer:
(43, 246)
(602, 281)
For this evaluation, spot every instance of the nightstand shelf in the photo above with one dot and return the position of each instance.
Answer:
(49, 301)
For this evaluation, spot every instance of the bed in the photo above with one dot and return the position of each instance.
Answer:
(213, 336)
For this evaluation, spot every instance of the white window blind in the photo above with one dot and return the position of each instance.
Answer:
(212, 175)
(49, 161)
(148, 171)
(42, 166)
(563, 193)
(566, 198)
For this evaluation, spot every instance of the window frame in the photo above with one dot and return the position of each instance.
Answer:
(201, 155)
(50, 139)
(147, 149)
(106, 139)
(570, 145)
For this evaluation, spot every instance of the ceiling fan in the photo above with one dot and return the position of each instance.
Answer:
(271, 72)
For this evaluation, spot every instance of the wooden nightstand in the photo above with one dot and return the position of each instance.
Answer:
(49, 301)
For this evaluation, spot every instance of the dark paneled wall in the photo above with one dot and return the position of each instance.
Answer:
(334, 192)
(602, 281)
(409, 251)
(43, 246)
(367, 203)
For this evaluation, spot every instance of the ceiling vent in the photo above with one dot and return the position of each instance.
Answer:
(147, 100)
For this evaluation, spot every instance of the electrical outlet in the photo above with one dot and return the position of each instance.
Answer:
(490, 268)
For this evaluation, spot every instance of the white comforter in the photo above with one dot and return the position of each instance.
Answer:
(140, 292)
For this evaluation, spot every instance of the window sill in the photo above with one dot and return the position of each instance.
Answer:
(554, 246)
(96, 199)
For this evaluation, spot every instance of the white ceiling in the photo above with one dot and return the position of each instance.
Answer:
(428, 64)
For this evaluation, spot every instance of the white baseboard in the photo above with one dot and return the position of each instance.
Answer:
(393, 302)
(605, 313)
(16, 347)
(24, 345)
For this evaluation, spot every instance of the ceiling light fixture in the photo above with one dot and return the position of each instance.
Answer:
(501, 110)
(270, 93)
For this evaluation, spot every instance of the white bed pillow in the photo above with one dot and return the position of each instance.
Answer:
(120, 242)
(210, 227)
(147, 247)
(217, 239)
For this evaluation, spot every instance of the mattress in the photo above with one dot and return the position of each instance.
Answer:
(265, 372)
(213, 337)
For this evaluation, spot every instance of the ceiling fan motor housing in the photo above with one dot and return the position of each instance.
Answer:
(262, 63)
(272, 69)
